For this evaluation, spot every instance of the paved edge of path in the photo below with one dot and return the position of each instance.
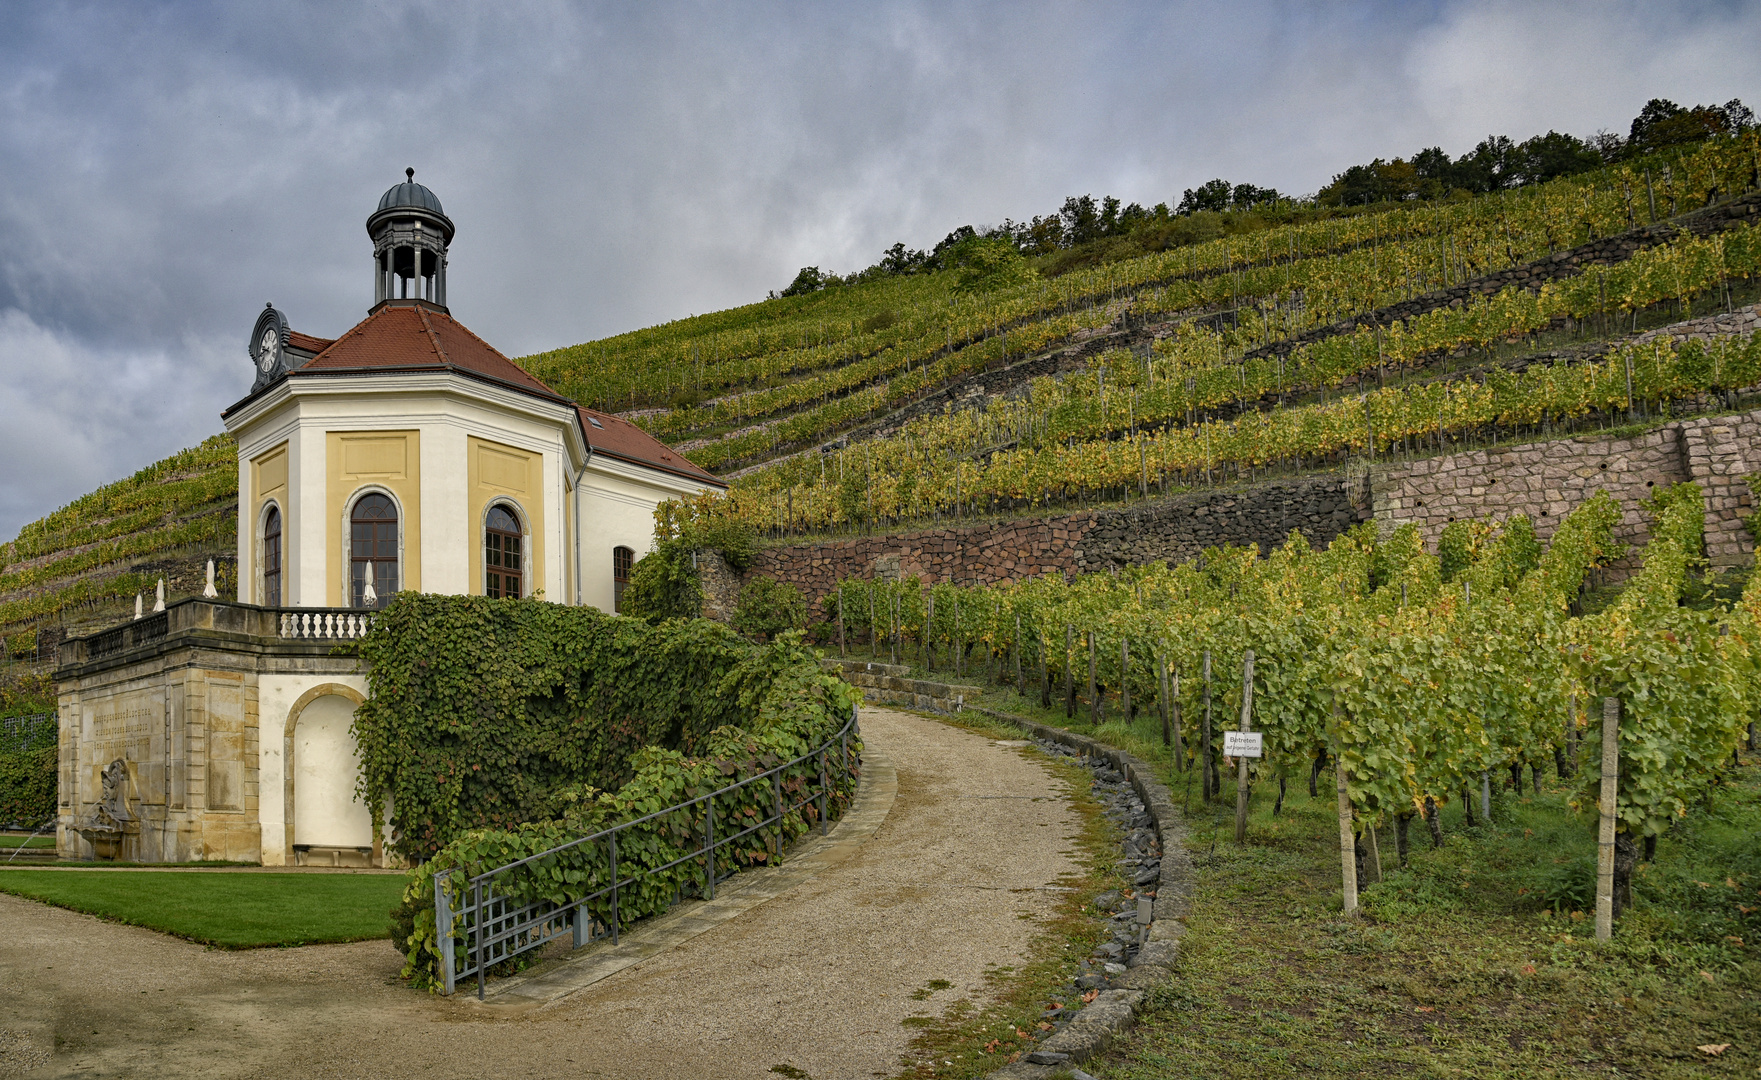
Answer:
(748, 889)
(1115, 1011)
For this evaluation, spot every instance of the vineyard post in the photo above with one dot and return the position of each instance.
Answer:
(1045, 672)
(1094, 697)
(1651, 196)
(1069, 672)
(1373, 855)
(1347, 841)
(1162, 689)
(893, 637)
(1016, 648)
(1125, 678)
(1209, 776)
(955, 643)
(929, 618)
(1605, 802)
(1174, 713)
(841, 652)
(1241, 762)
(1486, 796)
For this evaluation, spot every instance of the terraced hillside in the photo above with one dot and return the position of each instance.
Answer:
(1000, 386)
(83, 564)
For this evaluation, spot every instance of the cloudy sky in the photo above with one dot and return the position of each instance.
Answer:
(165, 169)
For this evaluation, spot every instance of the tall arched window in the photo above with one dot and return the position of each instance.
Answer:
(622, 559)
(373, 550)
(272, 557)
(502, 553)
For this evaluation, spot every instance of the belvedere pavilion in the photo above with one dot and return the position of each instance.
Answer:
(406, 453)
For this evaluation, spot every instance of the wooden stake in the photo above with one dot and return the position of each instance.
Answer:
(1347, 842)
(841, 652)
(1016, 645)
(929, 618)
(1094, 697)
(1069, 672)
(1372, 865)
(1241, 762)
(1162, 692)
(1606, 804)
(1125, 678)
(1209, 776)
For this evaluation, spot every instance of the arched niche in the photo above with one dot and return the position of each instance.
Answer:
(326, 823)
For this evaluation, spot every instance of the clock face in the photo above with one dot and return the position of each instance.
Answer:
(267, 349)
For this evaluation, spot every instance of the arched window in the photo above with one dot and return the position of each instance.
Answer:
(622, 559)
(373, 550)
(272, 557)
(502, 553)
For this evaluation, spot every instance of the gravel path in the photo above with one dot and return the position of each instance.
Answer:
(817, 980)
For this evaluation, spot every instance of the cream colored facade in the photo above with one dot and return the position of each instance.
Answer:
(222, 730)
(445, 448)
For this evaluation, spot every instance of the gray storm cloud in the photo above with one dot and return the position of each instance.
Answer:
(164, 170)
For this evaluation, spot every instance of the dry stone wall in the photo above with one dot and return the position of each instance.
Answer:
(1544, 480)
(1548, 480)
(1176, 529)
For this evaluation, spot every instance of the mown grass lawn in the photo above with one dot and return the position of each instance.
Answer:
(13, 842)
(229, 910)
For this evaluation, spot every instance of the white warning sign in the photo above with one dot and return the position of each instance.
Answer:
(1243, 743)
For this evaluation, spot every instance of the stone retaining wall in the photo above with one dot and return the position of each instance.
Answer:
(1548, 480)
(1176, 528)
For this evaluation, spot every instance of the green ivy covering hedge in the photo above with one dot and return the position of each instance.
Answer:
(27, 777)
(498, 728)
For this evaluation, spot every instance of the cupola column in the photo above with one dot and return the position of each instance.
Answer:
(410, 233)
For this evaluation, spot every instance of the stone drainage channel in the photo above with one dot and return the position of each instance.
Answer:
(1143, 919)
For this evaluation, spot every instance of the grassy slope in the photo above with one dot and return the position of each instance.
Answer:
(230, 910)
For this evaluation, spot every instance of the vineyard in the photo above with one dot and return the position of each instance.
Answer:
(1425, 676)
(1398, 329)
(746, 384)
(84, 563)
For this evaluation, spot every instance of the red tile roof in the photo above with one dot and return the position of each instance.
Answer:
(418, 337)
(308, 343)
(616, 437)
(411, 337)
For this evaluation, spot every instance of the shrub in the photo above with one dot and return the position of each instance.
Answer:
(782, 706)
(27, 777)
(664, 585)
(768, 607)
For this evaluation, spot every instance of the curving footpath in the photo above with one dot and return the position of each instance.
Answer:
(815, 978)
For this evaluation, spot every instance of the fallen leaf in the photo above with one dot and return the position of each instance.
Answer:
(1730, 883)
(1714, 1049)
(1745, 909)
(1733, 937)
(1424, 1008)
(991, 1047)
(1707, 975)
(1528, 969)
(1043, 1026)
(1092, 994)
(1704, 884)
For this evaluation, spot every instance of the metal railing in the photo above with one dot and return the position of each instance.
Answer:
(18, 732)
(495, 927)
(325, 624)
